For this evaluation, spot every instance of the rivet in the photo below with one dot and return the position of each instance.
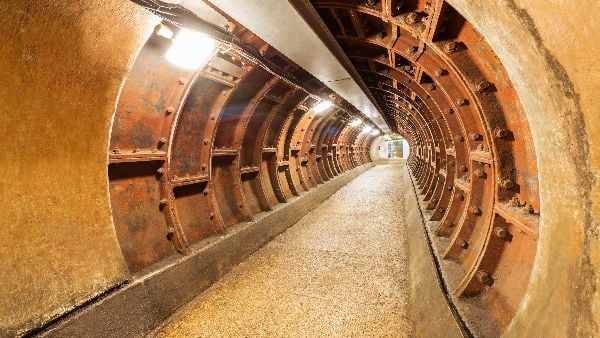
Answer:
(463, 168)
(449, 111)
(484, 277)
(501, 133)
(459, 138)
(474, 136)
(463, 244)
(474, 210)
(241, 206)
(450, 47)
(182, 81)
(459, 197)
(441, 209)
(211, 215)
(506, 183)
(431, 86)
(170, 234)
(116, 150)
(479, 173)
(501, 232)
(161, 171)
(461, 102)
(449, 188)
(412, 17)
(162, 140)
(381, 35)
(170, 110)
(439, 72)
(482, 85)
(411, 49)
(205, 141)
(163, 201)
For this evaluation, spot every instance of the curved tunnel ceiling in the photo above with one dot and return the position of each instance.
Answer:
(441, 86)
(188, 157)
(437, 83)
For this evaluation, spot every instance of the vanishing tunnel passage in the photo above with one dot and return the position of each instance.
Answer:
(417, 168)
(440, 86)
(193, 152)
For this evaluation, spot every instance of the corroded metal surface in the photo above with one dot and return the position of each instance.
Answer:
(195, 152)
(442, 88)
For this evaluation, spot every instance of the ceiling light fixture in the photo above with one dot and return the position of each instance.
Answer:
(355, 123)
(322, 106)
(191, 49)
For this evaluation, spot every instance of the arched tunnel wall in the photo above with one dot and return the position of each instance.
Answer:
(63, 66)
(550, 56)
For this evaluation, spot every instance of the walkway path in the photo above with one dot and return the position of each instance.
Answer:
(340, 271)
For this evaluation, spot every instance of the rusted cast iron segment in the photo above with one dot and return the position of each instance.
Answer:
(194, 152)
(441, 86)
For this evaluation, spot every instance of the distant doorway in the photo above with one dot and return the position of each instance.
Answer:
(393, 149)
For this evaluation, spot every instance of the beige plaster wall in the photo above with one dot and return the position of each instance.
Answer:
(550, 51)
(62, 64)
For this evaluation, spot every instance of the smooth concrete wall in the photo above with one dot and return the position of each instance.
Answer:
(62, 64)
(550, 51)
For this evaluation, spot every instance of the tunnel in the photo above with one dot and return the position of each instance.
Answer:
(196, 168)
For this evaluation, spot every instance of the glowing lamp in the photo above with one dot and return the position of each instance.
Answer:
(322, 106)
(190, 49)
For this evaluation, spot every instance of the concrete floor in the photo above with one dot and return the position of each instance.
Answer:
(342, 270)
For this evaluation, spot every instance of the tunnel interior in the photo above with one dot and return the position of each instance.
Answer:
(198, 165)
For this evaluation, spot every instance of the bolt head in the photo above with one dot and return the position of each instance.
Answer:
(501, 232)
(506, 183)
(501, 133)
(450, 46)
(474, 136)
(481, 86)
(412, 17)
(484, 277)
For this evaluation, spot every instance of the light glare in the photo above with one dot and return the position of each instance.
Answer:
(355, 123)
(367, 129)
(322, 106)
(375, 132)
(190, 49)
(164, 31)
